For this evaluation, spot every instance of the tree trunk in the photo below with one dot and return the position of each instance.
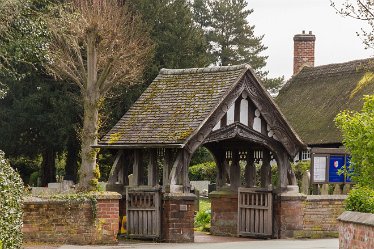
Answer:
(48, 167)
(71, 168)
(91, 97)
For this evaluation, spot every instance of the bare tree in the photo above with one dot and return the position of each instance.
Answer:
(96, 44)
(361, 10)
(9, 9)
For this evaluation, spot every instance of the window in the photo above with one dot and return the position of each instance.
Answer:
(305, 154)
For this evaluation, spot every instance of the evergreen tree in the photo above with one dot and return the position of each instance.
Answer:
(37, 114)
(179, 42)
(231, 37)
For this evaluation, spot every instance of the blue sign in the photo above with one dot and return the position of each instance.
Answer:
(349, 170)
(336, 163)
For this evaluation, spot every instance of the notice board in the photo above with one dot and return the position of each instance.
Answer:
(329, 165)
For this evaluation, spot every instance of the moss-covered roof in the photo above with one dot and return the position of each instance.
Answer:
(311, 99)
(174, 106)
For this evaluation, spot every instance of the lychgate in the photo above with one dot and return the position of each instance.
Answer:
(226, 110)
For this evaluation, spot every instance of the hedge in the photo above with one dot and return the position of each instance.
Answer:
(203, 171)
(360, 199)
(11, 193)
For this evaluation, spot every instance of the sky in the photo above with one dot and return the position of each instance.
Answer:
(280, 20)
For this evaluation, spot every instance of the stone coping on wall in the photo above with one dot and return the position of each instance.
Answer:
(179, 196)
(310, 198)
(49, 198)
(326, 197)
(357, 218)
(228, 193)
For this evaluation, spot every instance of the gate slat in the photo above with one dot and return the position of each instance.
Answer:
(143, 212)
(255, 217)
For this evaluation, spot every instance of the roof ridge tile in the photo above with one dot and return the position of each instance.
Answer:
(204, 70)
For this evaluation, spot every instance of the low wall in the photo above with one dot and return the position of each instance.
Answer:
(312, 216)
(71, 221)
(295, 215)
(356, 230)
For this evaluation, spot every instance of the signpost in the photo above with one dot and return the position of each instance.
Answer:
(329, 165)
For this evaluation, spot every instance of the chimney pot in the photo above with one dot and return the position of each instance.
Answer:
(303, 51)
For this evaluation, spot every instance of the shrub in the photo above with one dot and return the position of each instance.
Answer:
(203, 217)
(299, 169)
(358, 137)
(202, 221)
(33, 182)
(201, 155)
(203, 171)
(11, 192)
(361, 199)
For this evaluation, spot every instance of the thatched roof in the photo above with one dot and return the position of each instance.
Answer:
(311, 99)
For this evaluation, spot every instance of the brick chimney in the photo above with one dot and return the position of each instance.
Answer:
(303, 51)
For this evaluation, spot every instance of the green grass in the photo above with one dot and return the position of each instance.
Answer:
(204, 205)
(202, 218)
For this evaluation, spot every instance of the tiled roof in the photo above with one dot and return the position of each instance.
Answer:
(312, 98)
(174, 106)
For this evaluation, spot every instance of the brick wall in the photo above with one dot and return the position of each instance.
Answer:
(71, 222)
(224, 213)
(303, 51)
(356, 230)
(288, 216)
(301, 216)
(178, 218)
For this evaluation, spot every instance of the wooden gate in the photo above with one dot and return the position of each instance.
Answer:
(255, 212)
(143, 207)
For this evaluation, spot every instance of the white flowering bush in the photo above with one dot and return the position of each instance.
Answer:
(11, 192)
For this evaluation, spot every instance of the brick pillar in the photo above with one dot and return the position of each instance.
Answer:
(288, 215)
(178, 217)
(303, 51)
(224, 213)
(107, 217)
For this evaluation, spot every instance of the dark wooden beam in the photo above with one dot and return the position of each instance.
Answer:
(237, 110)
(166, 169)
(136, 168)
(224, 120)
(126, 163)
(265, 169)
(152, 168)
(219, 158)
(235, 170)
(283, 165)
(251, 112)
(116, 168)
(263, 126)
(250, 170)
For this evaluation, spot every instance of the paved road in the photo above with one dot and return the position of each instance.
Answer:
(263, 244)
(205, 241)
